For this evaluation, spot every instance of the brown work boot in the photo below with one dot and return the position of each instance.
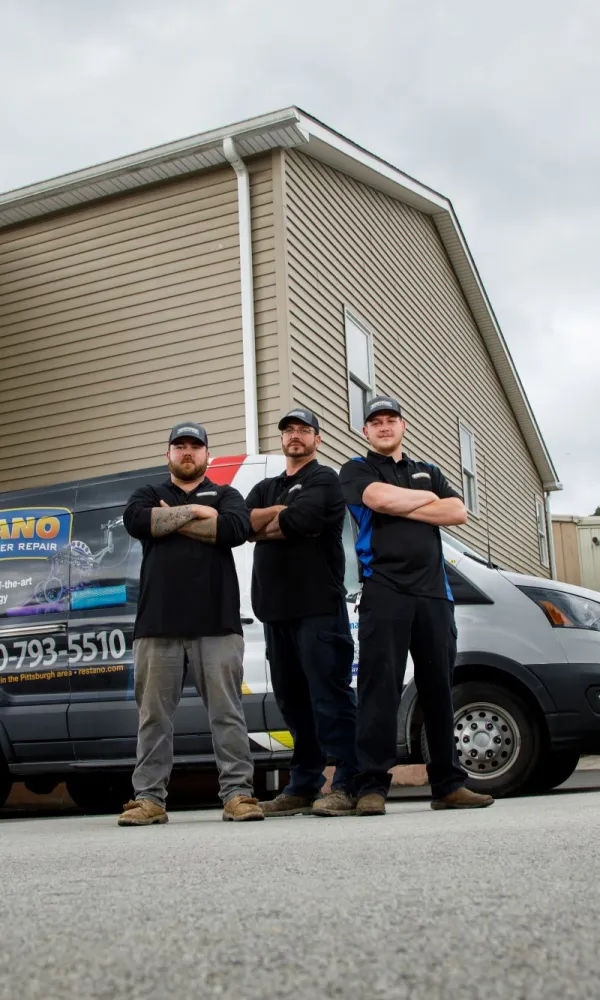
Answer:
(336, 803)
(142, 812)
(288, 805)
(462, 798)
(372, 804)
(242, 807)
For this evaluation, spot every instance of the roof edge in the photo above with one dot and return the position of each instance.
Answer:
(149, 157)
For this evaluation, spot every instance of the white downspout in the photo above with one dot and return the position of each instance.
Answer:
(550, 534)
(247, 292)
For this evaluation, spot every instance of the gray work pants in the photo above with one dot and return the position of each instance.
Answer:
(216, 663)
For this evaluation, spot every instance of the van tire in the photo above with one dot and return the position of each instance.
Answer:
(505, 765)
(552, 769)
(96, 794)
(5, 781)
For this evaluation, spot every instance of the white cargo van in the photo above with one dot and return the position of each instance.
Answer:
(526, 684)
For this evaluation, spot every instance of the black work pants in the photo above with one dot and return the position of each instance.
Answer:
(311, 670)
(391, 624)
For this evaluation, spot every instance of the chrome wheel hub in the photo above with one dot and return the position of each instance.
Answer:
(487, 739)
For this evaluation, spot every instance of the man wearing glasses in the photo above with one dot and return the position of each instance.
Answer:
(298, 592)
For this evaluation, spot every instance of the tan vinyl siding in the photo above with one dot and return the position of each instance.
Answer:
(351, 246)
(119, 319)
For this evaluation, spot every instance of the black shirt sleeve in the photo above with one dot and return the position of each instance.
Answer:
(233, 520)
(314, 508)
(255, 497)
(138, 513)
(355, 476)
(441, 486)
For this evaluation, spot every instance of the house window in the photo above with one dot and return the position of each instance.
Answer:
(361, 386)
(542, 531)
(469, 471)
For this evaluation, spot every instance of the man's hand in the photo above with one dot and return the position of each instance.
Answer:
(265, 524)
(450, 511)
(164, 520)
(200, 511)
(260, 517)
(396, 500)
(415, 505)
(273, 532)
(203, 524)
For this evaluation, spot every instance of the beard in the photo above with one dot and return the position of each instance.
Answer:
(188, 472)
(385, 445)
(298, 449)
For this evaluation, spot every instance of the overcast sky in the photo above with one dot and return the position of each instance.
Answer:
(493, 104)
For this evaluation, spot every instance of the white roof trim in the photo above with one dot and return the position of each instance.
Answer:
(288, 129)
(175, 159)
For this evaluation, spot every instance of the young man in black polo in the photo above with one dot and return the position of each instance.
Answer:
(298, 592)
(406, 604)
(189, 618)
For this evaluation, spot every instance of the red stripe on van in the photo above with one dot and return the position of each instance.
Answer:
(222, 469)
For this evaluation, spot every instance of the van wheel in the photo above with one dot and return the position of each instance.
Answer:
(99, 793)
(5, 781)
(553, 768)
(497, 737)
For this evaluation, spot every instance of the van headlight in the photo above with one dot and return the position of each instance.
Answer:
(565, 610)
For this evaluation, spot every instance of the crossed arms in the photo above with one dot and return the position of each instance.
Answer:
(264, 524)
(317, 506)
(148, 516)
(414, 505)
(195, 520)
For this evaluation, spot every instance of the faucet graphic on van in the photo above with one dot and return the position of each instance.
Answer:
(73, 567)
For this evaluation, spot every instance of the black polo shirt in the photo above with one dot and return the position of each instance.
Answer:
(402, 554)
(303, 575)
(188, 588)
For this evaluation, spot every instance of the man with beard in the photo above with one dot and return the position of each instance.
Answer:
(298, 592)
(406, 604)
(188, 618)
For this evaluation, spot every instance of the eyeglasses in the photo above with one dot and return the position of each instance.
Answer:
(303, 429)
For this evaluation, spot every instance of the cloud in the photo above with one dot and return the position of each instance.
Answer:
(492, 104)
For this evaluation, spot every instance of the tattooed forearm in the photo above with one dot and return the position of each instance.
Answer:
(204, 531)
(166, 520)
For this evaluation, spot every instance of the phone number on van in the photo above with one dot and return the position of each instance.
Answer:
(82, 647)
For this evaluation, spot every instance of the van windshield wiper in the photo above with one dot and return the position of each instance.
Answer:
(479, 559)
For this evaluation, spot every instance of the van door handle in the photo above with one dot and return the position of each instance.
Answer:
(247, 621)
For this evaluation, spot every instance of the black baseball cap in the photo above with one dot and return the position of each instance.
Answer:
(189, 430)
(301, 414)
(382, 404)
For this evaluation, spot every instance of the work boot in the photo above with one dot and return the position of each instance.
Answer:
(242, 807)
(372, 804)
(336, 803)
(462, 798)
(142, 812)
(288, 805)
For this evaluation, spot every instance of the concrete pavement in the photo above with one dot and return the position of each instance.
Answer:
(498, 903)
